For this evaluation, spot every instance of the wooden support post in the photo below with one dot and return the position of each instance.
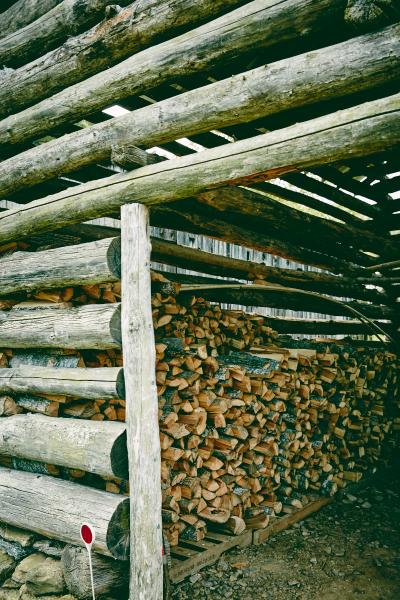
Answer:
(146, 570)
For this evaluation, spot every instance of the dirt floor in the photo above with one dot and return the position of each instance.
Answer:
(350, 550)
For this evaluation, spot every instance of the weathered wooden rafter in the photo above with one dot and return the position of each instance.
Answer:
(48, 31)
(245, 97)
(358, 131)
(130, 30)
(23, 12)
(261, 23)
(322, 326)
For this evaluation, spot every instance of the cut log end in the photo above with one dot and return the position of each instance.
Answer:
(119, 457)
(114, 257)
(118, 537)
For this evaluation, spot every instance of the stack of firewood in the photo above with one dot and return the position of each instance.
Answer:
(250, 424)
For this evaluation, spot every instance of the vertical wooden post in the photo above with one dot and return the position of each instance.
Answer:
(146, 567)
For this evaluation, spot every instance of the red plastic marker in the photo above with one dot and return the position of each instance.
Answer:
(88, 537)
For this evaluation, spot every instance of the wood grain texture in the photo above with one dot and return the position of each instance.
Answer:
(107, 382)
(358, 64)
(96, 447)
(133, 28)
(95, 262)
(66, 18)
(23, 12)
(56, 509)
(260, 23)
(144, 452)
(55, 326)
(356, 131)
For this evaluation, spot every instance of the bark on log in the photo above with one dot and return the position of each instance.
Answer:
(70, 17)
(110, 577)
(261, 23)
(96, 447)
(23, 12)
(322, 327)
(91, 326)
(84, 383)
(143, 436)
(281, 297)
(215, 264)
(97, 262)
(55, 508)
(132, 29)
(356, 131)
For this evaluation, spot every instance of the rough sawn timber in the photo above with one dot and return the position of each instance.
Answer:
(92, 446)
(66, 18)
(261, 23)
(133, 28)
(96, 262)
(60, 326)
(352, 132)
(54, 508)
(144, 452)
(107, 382)
(327, 73)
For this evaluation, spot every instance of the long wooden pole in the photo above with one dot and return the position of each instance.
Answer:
(361, 63)
(356, 131)
(23, 12)
(261, 23)
(130, 30)
(144, 452)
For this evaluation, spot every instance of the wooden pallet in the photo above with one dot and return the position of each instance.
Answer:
(280, 523)
(189, 557)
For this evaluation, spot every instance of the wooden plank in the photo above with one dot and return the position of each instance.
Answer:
(184, 568)
(324, 74)
(281, 523)
(144, 452)
(96, 447)
(56, 508)
(358, 130)
(261, 23)
(60, 326)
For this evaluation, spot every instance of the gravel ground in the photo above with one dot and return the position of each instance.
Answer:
(350, 550)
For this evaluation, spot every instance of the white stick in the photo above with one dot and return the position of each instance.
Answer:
(91, 572)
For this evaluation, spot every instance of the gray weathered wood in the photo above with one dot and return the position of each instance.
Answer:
(146, 567)
(23, 12)
(54, 326)
(356, 131)
(96, 262)
(66, 18)
(361, 15)
(56, 509)
(357, 64)
(133, 28)
(110, 577)
(93, 446)
(261, 23)
(107, 382)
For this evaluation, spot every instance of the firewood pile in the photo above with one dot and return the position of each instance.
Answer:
(249, 424)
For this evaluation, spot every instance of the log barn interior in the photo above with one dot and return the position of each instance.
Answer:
(199, 279)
